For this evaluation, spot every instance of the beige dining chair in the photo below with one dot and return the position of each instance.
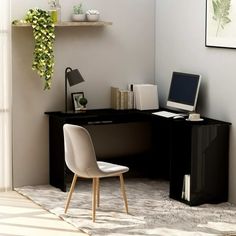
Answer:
(80, 158)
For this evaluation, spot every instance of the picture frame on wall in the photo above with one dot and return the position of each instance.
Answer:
(220, 23)
(75, 100)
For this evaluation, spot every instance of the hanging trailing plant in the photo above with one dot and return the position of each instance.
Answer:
(44, 35)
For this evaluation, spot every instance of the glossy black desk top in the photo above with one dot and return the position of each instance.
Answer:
(98, 112)
(126, 115)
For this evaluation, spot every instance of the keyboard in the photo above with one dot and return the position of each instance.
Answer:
(166, 114)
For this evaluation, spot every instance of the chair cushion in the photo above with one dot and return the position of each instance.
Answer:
(110, 169)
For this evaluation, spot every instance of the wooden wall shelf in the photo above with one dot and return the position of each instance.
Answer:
(70, 24)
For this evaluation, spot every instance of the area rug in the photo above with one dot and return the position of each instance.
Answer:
(151, 211)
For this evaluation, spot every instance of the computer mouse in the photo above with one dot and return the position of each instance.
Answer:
(178, 117)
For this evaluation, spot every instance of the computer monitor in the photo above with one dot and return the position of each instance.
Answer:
(183, 91)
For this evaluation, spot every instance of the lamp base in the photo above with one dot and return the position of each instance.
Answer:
(83, 110)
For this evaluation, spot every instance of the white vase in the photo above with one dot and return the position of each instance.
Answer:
(78, 17)
(93, 17)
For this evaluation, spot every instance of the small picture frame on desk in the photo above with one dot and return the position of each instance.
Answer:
(76, 100)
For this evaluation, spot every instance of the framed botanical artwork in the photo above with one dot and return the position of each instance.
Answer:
(220, 23)
(76, 100)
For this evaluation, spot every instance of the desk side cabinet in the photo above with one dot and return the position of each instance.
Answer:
(199, 162)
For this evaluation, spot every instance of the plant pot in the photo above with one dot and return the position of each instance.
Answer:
(78, 17)
(93, 17)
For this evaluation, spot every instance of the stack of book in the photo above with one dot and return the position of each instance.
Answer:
(186, 188)
(122, 99)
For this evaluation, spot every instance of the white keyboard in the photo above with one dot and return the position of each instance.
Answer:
(166, 114)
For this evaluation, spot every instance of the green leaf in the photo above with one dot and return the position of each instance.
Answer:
(221, 10)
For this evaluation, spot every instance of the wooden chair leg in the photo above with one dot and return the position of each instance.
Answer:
(98, 192)
(72, 187)
(122, 186)
(94, 199)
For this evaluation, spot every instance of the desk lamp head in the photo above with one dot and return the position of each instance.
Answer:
(74, 77)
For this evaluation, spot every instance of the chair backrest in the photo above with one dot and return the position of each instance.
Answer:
(79, 151)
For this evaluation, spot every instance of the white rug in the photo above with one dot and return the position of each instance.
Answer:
(152, 212)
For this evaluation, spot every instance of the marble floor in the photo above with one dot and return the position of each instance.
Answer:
(19, 216)
(151, 211)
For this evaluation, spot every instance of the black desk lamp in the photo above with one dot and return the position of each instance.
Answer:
(74, 77)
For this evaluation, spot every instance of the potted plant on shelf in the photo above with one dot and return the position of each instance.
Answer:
(78, 13)
(92, 15)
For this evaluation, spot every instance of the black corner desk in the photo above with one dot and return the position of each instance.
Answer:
(178, 147)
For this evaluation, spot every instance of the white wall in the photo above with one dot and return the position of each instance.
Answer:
(180, 46)
(112, 55)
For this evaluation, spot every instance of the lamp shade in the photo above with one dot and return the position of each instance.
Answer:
(74, 77)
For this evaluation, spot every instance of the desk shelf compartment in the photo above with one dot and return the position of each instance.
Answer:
(200, 151)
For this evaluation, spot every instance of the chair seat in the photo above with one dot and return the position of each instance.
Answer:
(110, 169)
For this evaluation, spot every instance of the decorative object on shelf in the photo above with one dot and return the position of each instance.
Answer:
(78, 101)
(55, 10)
(83, 101)
(78, 13)
(92, 15)
(220, 26)
(44, 35)
(74, 77)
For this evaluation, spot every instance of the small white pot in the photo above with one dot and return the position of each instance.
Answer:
(93, 17)
(78, 17)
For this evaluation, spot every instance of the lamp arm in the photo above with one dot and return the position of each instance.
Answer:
(65, 93)
(66, 71)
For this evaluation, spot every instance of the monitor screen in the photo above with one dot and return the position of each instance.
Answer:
(183, 91)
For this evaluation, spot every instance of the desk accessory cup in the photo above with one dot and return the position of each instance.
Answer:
(194, 117)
